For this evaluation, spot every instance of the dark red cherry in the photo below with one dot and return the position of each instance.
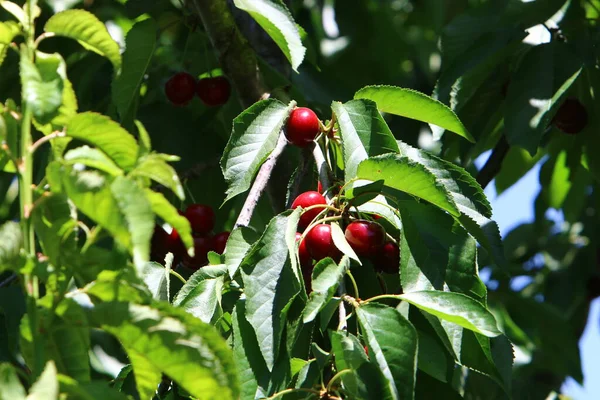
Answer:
(306, 200)
(219, 242)
(388, 258)
(202, 245)
(180, 88)
(365, 237)
(213, 91)
(571, 117)
(319, 243)
(201, 217)
(303, 254)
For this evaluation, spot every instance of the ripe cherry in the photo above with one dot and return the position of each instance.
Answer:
(306, 200)
(319, 243)
(201, 217)
(180, 88)
(202, 245)
(303, 255)
(302, 127)
(388, 259)
(571, 117)
(213, 91)
(365, 237)
(219, 242)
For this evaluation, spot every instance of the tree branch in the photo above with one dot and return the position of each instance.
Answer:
(494, 163)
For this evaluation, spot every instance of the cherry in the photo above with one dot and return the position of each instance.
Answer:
(365, 237)
(306, 200)
(213, 91)
(303, 255)
(176, 247)
(388, 259)
(219, 242)
(180, 88)
(302, 127)
(571, 117)
(201, 217)
(202, 245)
(319, 243)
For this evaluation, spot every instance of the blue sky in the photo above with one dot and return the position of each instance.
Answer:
(514, 207)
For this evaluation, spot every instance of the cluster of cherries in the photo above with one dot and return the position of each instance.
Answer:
(213, 91)
(202, 221)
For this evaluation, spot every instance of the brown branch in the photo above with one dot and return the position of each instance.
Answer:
(494, 163)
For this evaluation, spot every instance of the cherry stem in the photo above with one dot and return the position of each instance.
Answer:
(287, 391)
(383, 296)
(336, 377)
(354, 285)
(45, 139)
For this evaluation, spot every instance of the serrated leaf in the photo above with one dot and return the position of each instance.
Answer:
(165, 210)
(154, 167)
(140, 44)
(326, 277)
(416, 105)
(239, 242)
(456, 308)
(392, 344)
(88, 30)
(364, 133)
(537, 88)
(137, 210)
(274, 17)
(8, 31)
(107, 135)
(94, 158)
(201, 294)
(155, 276)
(42, 84)
(11, 241)
(255, 133)
(165, 339)
(10, 386)
(46, 387)
(401, 173)
(270, 285)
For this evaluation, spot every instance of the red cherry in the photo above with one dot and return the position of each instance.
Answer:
(388, 258)
(201, 217)
(219, 242)
(306, 200)
(180, 88)
(302, 126)
(365, 237)
(319, 243)
(303, 255)
(213, 91)
(571, 117)
(202, 245)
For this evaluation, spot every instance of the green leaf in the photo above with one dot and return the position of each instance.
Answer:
(94, 158)
(16, 11)
(165, 210)
(239, 242)
(154, 167)
(255, 133)
(274, 17)
(140, 45)
(88, 391)
(104, 133)
(364, 133)
(271, 284)
(11, 242)
(9, 132)
(201, 294)
(339, 240)
(156, 277)
(416, 105)
(137, 210)
(10, 386)
(165, 339)
(88, 30)
(144, 139)
(537, 88)
(46, 387)
(559, 182)
(326, 277)
(392, 344)
(401, 173)
(456, 308)
(514, 166)
(8, 31)
(42, 84)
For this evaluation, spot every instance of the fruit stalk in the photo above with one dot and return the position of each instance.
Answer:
(493, 164)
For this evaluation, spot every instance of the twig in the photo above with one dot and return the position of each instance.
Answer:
(305, 164)
(8, 280)
(262, 178)
(494, 163)
(45, 139)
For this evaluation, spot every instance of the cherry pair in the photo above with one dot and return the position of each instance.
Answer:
(213, 91)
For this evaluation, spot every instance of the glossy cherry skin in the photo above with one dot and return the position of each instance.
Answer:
(180, 88)
(303, 254)
(571, 117)
(219, 242)
(319, 243)
(201, 217)
(213, 91)
(202, 245)
(302, 127)
(306, 200)
(365, 237)
(388, 258)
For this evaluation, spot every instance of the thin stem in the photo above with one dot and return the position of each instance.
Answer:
(45, 139)
(383, 296)
(43, 36)
(494, 163)
(176, 275)
(336, 377)
(287, 391)
(354, 285)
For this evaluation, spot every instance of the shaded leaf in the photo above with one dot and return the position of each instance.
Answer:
(94, 158)
(165, 210)
(154, 167)
(11, 242)
(326, 277)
